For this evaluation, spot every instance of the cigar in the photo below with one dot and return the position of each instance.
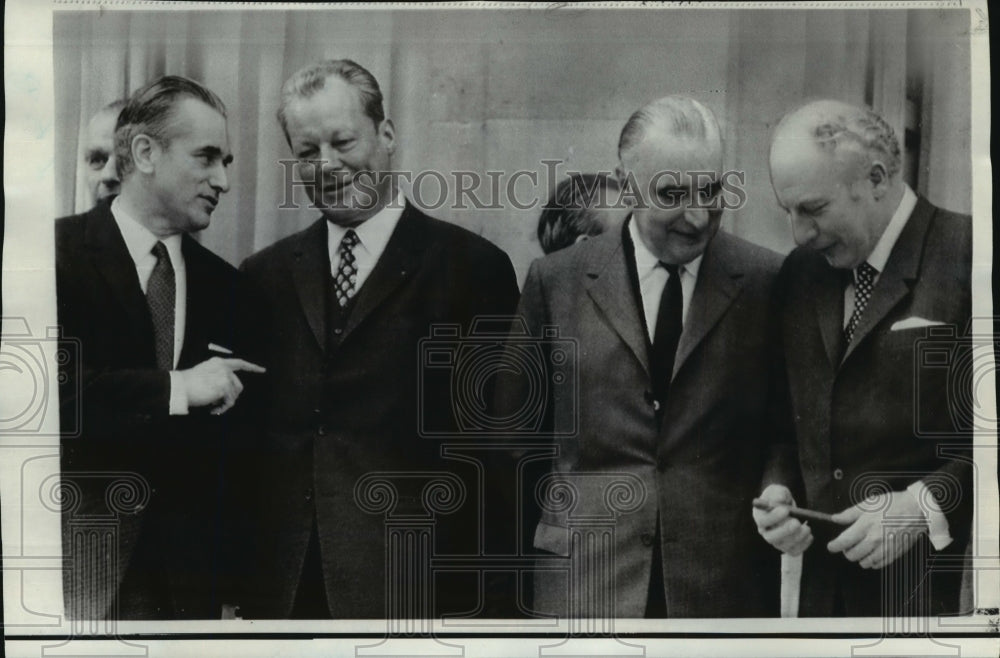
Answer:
(800, 513)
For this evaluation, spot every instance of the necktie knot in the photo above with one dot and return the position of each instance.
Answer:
(864, 275)
(673, 270)
(160, 251)
(349, 241)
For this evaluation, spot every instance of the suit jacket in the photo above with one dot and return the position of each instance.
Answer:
(351, 405)
(880, 413)
(695, 476)
(157, 482)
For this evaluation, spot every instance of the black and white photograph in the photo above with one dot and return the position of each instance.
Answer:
(498, 329)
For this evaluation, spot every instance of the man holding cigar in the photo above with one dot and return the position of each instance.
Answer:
(878, 270)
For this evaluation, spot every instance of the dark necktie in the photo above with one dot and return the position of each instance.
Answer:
(668, 332)
(864, 281)
(161, 295)
(347, 272)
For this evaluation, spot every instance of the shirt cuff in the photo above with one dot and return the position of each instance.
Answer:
(178, 395)
(937, 524)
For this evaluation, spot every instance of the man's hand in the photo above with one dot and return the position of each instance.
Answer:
(214, 382)
(882, 528)
(778, 529)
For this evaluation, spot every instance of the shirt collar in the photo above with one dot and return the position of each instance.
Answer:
(646, 261)
(373, 233)
(883, 248)
(139, 240)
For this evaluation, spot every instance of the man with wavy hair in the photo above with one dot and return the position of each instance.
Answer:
(880, 274)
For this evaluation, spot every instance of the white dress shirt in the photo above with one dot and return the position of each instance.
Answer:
(140, 241)
(653, 280)
(373, 235)
(937, 524)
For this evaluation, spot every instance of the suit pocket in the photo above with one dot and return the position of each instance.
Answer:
(552, 538)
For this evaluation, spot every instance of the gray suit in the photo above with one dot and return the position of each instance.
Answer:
(696, 475)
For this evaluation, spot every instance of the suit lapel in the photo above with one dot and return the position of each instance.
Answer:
(110, 257)
(900, 272)
(720, 280)
(400, 259)
(611, 290)
(310, 269)
(198, 304)
(829, 305)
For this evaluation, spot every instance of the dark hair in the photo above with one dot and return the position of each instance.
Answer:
(570, 212)
(149, 111)
(307, 81)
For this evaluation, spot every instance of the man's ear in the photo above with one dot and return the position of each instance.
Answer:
(145, 153)
(387, 133)
(878, 177)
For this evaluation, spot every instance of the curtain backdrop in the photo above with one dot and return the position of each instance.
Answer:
(505, 90)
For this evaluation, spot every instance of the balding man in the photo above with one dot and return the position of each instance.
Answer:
(878, 270)
(100, 168)
(670, 321)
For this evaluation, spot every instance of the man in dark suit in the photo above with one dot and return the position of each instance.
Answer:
(670, 321)
(149, 306)
(880, 278)
(350, 299)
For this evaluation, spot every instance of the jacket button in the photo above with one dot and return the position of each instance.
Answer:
(321, 430)
(338, 331)
(309, 494)
(838, 474)
(317, 411)
(646, 539)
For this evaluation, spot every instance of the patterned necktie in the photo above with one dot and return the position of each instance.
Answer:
(347, 271)
(668, 331)
(160, 296)
(864, 281)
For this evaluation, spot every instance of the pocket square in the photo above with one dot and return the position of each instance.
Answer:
(219, 349)
(914, 323)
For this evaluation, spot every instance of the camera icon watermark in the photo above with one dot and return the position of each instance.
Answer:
(498, 380)
(958, 369)
(30, 386)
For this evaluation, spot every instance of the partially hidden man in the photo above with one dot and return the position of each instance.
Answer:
(879, 271)
(162, 324)
(673, 414)
(350, 298)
